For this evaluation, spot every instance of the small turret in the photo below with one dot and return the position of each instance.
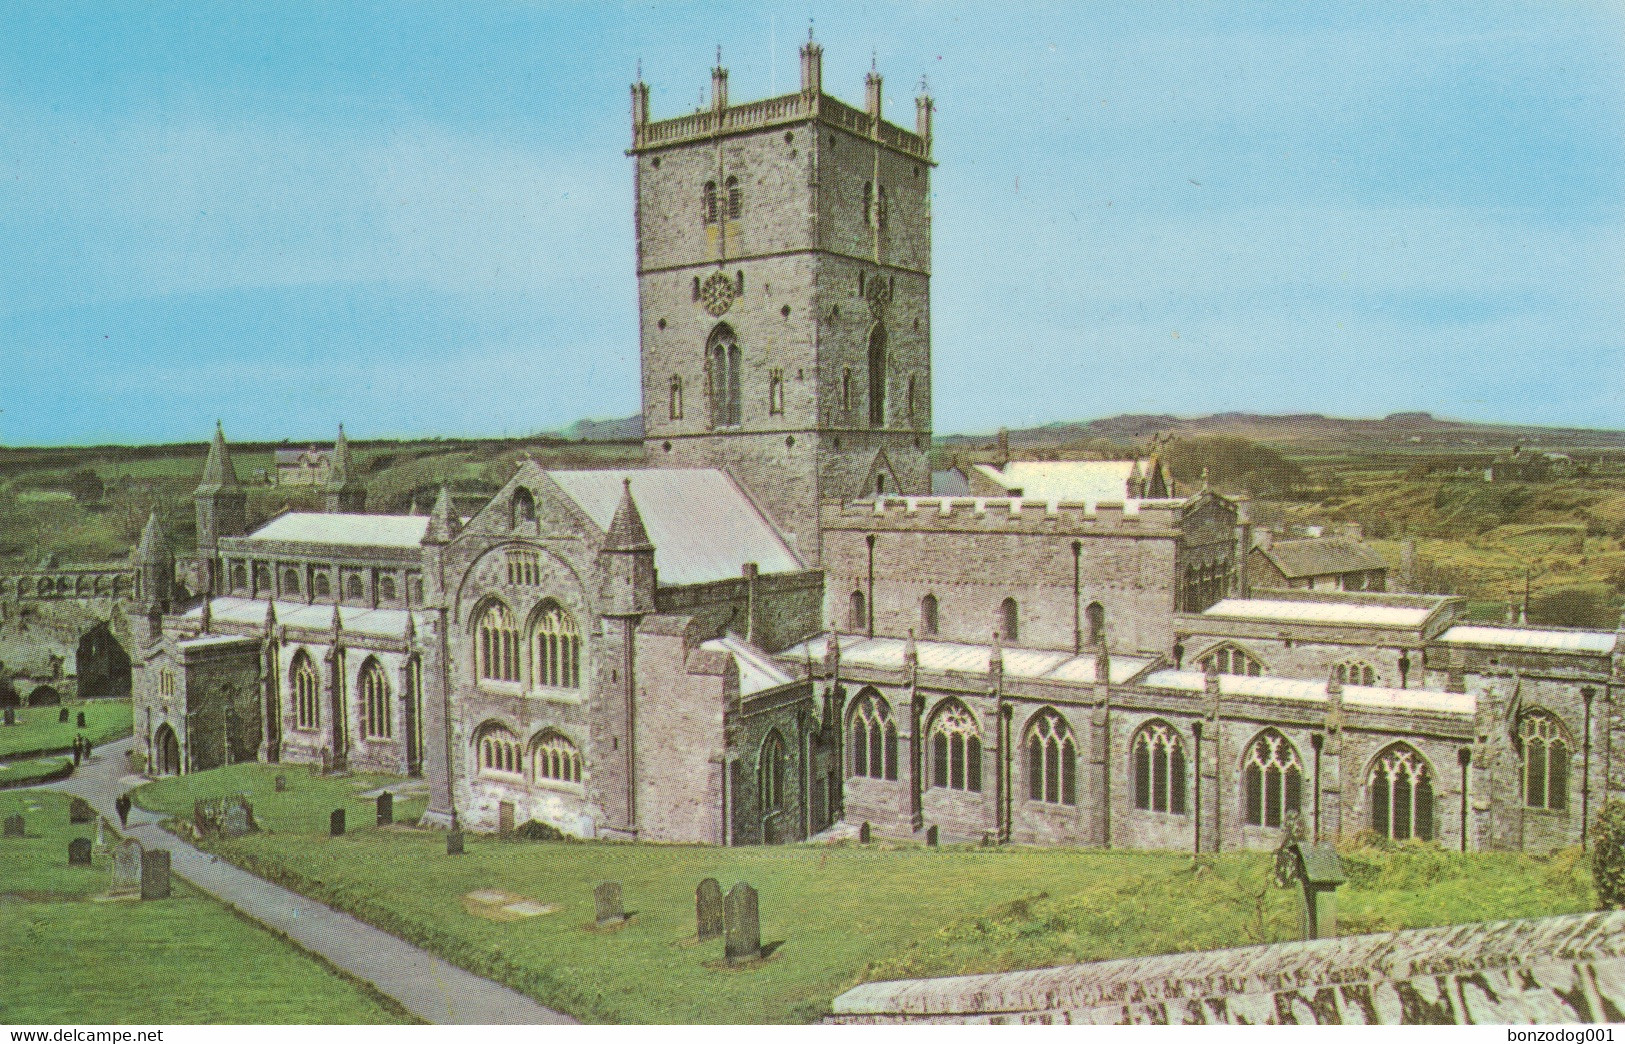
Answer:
(155, 566)
(871, 93)
(812, 66)
(222, 507)
(628, 560)
(923, 107)
(344, 492)
(719, 85)
(442, 521)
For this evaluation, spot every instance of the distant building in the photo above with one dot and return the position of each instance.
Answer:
(1523, 465)
(1323, 564)
(1074, 481)
(303, 467)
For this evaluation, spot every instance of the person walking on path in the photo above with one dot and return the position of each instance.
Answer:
(122, 805)
(78, 748)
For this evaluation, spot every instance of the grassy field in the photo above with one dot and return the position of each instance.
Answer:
(840, 914)
(187, 959)
(31, 770)
(37, 728)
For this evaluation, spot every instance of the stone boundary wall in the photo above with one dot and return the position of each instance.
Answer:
(1550, 970)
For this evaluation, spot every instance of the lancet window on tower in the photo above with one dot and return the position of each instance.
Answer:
(723, 362)
(877, 377)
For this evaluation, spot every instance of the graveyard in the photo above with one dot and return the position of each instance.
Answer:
(52, 728)
(612, 932)
(116, 958)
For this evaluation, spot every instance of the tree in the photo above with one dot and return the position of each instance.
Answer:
(86, 486)
(1570, 607)
(1608, 856)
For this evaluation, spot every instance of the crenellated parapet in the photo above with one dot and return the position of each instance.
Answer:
(1005, 514)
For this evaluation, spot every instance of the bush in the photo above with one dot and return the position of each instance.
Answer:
(1608, 856)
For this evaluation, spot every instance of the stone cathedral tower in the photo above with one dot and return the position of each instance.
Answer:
(784, 265)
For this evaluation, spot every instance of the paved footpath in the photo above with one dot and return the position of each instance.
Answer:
(425, 985)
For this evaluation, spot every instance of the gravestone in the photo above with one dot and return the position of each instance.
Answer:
(126, 867)
(454, 842)
(386, 808)
(238, 819)
(155, 874)
(80, 719)
(606, 901)
(504, 818)
(14, 826)
(335, 823)
(281, 784)
(79, 811)
(101, 832)
(931, 836)
(62, 716)
(741, 925)
(864, 833)
(708, 909)
(11, 716)
(79, 851)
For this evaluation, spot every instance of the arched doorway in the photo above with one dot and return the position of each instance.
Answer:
(166, 751)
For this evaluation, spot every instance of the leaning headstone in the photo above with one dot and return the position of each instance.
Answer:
(80, 719)
(606, 901)
(335, 823)
(742, 926)
(14, 826)
(708, 909)
(11, 716)
(79, 811)
(126, 867)
(931, 836)
(281, 783)
(79, 851)
(155, 874)
(62, 716)
(238, 819)
(864, 833)
(454, 842)
(386, 808)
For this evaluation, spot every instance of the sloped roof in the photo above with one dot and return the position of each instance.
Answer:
(1321, 556)
(1373, 697)
(702, 525)
(1283, 610)
(1079, 481)
(950, 482)
(968, 658)
(355, 619)
(344, 530)
(1596, 642)
(757, 671)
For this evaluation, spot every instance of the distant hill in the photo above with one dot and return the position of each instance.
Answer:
(624, 429)
(1304, 431)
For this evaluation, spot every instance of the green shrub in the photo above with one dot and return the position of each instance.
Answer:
(1608, 856)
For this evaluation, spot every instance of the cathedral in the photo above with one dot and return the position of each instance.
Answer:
(783, 624)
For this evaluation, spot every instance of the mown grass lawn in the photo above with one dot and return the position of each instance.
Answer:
(841, 914)
(30, 770)
(187, 959)
(37, 728)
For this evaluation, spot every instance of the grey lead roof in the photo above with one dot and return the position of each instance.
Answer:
(1319, 557)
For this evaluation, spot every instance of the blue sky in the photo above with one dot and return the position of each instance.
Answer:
(415, 218)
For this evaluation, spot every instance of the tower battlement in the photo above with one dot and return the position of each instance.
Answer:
(992, 514)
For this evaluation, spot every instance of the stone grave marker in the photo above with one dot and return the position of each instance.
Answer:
(742, 926)
(79, 811)
(708, 909)
(606, 901)
(62, 716)
(80, 719)
(155, 874)
(281, 783)
(454, 842)
(14, 826)
(101, 833)
(79, 851)
(335, 823)
(931, 836)
(238, 819)
(11, 716)
(126, 867)
(386, 808)
(504, 818)
(864, 833)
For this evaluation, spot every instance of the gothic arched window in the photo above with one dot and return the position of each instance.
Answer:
(1401, 788)
(1159, 769)
(1010, 620)
(1355, 672)
(524, 506)
(497, 650)
(290, 581)
(868, 202)
(386, 588)
(676, 397)
(722, 355)
(553, 758)
(355, 589)
(1546, 750)
(770, 774)
(877, 377)
(708, 202)
(736, 203)
(1272, 778)
(956, 748)
(499, 752)
(1052, 760)
(874, 737)
(1096, 615)
(307, 692)
(321, 587)
(375, 717)
(857, 618)
(928, 615)
(239, 575)
(555, 650)
(1228, 659)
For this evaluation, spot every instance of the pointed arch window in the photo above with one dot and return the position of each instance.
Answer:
(1400, 785)
(708, 202)
(1355, 672)
(1228, 659)
(956, 749)
(320, 586)
(868, 202)
(1010, 620)
(676, 397)
(877, 377)
(857, 615)
(497, 638)
(386, 588)
(1096, 615)
(880, 206)
(239, 575)
(1546, 752)
(1272, 777)
(911, 390)
(1052, 760)
(524, 506)
(290, 581)
(375, 716)
(307, 692)
(1159, 769)
(928, 615)
(723, 361)
(498, 751)
(555, 655)
(874, 737)
(355, 589)
(736, 199)
(770, 774)
(554, 759)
